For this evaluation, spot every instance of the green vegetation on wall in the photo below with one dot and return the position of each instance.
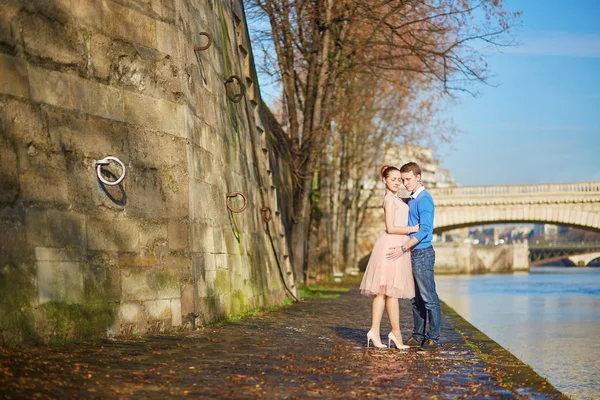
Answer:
(17, 296)
(61, 322)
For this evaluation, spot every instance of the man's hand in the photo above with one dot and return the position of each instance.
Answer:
(395, 253)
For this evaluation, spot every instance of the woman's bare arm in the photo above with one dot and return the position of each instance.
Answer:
(390, 212)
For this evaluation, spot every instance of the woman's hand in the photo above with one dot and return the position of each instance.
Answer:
(415, 229)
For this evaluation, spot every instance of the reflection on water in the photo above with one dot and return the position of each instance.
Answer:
(549, 318)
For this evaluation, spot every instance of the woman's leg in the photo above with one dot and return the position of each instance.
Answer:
(393, 311)
(377, 310)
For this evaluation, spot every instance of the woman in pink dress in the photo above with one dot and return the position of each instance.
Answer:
(387, 280)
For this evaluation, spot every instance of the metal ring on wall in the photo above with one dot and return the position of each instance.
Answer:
(236, 97)
(266, 213)
(235, 194)
(207, 45)
(105, 161)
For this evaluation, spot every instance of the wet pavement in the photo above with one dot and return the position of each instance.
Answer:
(313, 349)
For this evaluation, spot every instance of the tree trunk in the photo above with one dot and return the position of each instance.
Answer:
(300, 227)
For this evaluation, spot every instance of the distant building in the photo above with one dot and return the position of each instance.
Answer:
(546, 231)
(432, 175)
(444, 179)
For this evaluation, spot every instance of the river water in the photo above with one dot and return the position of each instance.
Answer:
(549, 318)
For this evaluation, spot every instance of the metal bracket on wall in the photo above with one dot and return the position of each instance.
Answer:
(105, 161)
(236, 98)
(208, 43)
(198, 49)
(235, 194)
(266, 213)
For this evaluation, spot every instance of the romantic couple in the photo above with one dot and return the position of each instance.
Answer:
(401, 263)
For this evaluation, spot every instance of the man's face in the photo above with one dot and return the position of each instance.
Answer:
(411, 182)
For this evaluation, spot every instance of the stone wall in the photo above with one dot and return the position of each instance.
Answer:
(83, 79)
(466, 258)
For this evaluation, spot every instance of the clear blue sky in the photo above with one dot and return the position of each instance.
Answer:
(541, 124)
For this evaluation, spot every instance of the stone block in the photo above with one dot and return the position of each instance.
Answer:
(158, 309)
(123, 22)
(113, 234)
(153, 234)
(146, 193)
(58, 254)
(8, 28)
(24, 126)
(178, 235)
(221, 261)
(9, 184)
(167, 37)
(54, 228)
(167, 284)
(97, 98)
(187, 299)
(205, 283)
(60, 281)
(14, 80)
(49, 39)
(169, 80)
(219, 239)
(134, 69)
(165, 8)
(45, 178)
(50, 87)
(180, 263)
(176, 312)
(138, 284)
(205, 166)
(155, 113)
(131, 312)
(104, 265)
(197, 129)
(14, 246)
(208, 204)
(86, 12)
(91, 137)
(231, 242)
(157, 150)
(100, 48)
(178, 197)
(202, 238)
(136, 260)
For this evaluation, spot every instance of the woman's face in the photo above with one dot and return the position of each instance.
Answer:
(393, 181)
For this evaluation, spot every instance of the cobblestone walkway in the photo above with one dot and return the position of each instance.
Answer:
(314, 349)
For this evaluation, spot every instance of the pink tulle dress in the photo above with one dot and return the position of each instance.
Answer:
(383, 276)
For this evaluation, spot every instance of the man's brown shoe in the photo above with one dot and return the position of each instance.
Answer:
(429, 344)
(412, 342)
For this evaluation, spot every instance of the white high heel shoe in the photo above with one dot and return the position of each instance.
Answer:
(397, 342)
(371, 337)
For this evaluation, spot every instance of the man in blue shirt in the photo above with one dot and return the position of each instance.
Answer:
(425, 304)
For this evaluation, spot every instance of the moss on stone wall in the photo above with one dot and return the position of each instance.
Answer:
(60, 322)
(17, 295)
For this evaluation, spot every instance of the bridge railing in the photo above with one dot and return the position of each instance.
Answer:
(578, 187)
(567, 245)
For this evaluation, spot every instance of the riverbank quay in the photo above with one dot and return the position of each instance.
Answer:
(312, 349)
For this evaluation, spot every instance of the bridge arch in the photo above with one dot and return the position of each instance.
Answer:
(449, 218)
(583, 260)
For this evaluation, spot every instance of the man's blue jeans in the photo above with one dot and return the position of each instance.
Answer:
(425, 304)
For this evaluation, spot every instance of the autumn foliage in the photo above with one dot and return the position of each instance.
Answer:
(356, 74)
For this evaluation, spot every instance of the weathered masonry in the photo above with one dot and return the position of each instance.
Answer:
(168, 87)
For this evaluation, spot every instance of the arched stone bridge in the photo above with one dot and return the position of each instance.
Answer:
(572, 204)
